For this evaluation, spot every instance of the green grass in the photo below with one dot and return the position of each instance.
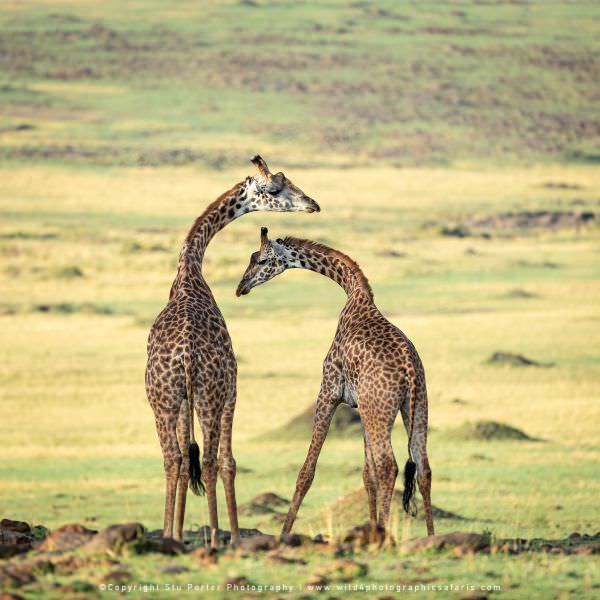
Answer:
(80, 443)
(369, 83)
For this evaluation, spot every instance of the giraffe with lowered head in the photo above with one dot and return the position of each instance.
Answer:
(371, 366)
(191, 364)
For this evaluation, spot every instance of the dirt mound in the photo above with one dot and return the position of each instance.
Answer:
(520, 293)
(575, 543)
(488, 431)
(353, 508)
(526, 220)
(346, 421)
(460, 542)
(264, 504)
(533, 219)
(515, 360)
(67, 537)
(270, 499)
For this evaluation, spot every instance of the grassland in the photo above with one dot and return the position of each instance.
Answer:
(418, 128)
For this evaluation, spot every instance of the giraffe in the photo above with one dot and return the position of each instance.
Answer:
(371, 366)
(191, 364)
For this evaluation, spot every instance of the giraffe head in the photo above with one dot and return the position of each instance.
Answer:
(272, 259)
(275, 192)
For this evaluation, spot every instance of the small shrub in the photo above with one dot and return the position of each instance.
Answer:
(70, 272)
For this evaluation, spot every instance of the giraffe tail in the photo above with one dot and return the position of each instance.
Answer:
(410, 468)
(195, 484)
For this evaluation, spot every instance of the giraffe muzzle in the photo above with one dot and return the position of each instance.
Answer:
(311, 205)
(242, 289)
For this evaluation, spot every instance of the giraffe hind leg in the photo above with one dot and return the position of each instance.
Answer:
(183, 436)
(166, 425)
(370, 487)
(210, 434)
(227, 468)
(419, 452)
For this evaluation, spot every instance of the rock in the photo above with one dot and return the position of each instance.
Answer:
(119, 576)
(343, 570)
(466, 542)
(16, 537)
(278, 559)
(586, 549)
(259, 543)
(205, 555)
(174, 569)
(202, 536)
(9, 550)
(317, 580)
(67, 537)
(9, 525)
(114, 537)
(363, 535)
(236, 582)
(15, 576)
(162, 546)
(293, 540)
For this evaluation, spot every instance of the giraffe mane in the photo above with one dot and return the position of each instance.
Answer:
(209, 209)
(333, 253)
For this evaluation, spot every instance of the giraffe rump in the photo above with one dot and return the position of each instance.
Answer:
(196, 484)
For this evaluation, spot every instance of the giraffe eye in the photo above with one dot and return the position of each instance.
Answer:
(264, 261)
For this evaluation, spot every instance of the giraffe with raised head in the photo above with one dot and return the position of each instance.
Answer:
(191, 364)
(371, 366)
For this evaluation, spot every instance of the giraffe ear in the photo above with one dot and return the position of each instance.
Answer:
(264, 237)
(261, 165)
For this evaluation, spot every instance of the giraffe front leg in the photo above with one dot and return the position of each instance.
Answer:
(323, 416)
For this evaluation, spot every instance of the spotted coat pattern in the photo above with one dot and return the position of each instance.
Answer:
(191, 364)
(371, 366)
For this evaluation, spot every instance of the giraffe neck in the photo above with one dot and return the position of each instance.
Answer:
(304, 254)
(227, 207)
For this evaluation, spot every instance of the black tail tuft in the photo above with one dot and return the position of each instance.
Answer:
(196, 484)
(408, 502)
